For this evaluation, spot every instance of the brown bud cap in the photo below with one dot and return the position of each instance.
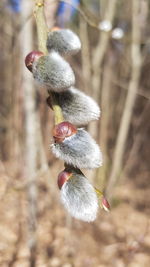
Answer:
(32, 57)
(63, 177)
(63, 130)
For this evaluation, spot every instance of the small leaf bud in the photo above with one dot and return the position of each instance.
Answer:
(117, 33)
(63, 41)
(79, 150)
(105, 25)
(103, 201)
(105, 204)
(31, 58)
(54, 72)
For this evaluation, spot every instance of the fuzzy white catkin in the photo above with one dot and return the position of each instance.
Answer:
(77, 107)
(54, 72)
(79, 150)
(63, 41)
(79, 198)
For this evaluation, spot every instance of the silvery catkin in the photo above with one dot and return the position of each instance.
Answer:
(54, 72)
(79, 197)
(77, 107)
(63, 41)
(79, 150)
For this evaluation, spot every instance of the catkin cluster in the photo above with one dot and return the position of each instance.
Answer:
(72, 144)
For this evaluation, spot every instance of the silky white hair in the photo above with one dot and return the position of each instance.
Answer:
(54, 72)
(79, 198)
(63, 41)
(79, 150)
(77, 107)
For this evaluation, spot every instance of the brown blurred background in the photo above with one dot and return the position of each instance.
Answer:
(114, 68)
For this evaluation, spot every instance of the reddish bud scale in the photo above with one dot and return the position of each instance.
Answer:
(105, 204)
(63, 130)
(31, 58)
(63, 177)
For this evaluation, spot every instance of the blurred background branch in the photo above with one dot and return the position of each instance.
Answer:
(136, 63)
(113, 66)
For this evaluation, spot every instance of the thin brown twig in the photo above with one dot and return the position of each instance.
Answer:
(82, 13)
(130, 100)
(101, 48)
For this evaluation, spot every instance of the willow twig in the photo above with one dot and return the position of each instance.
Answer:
(42, 32)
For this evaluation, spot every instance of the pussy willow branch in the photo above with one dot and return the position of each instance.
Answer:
(42, 32)
(42, 36)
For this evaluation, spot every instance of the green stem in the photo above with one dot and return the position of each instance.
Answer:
(41, 25)
(57, 109)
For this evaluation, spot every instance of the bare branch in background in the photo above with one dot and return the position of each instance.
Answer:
(50, 8)
(103, 4)
(136, 62)
(85, 54)
(6, 79)
(108, 76)
(31, 131)
(34, 145)
(98, 57)
(87, 16)
(139, 139)
(101, 48)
